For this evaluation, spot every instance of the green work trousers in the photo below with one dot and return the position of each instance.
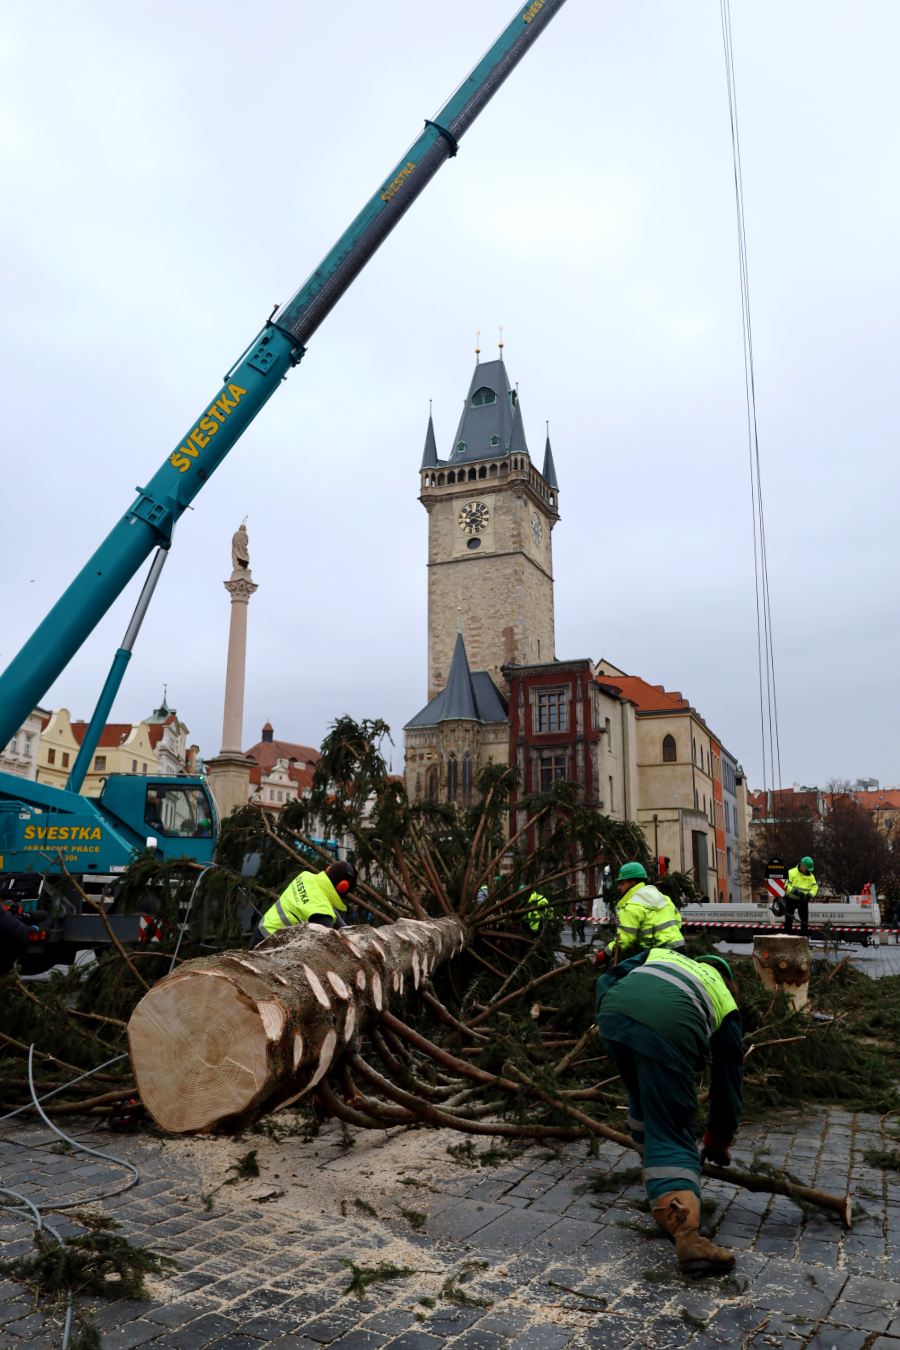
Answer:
(662, 1114)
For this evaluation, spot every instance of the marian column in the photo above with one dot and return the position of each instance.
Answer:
(229, 772)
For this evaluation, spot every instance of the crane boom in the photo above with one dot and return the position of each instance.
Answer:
(251, 382)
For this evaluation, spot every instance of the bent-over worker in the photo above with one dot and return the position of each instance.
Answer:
(662, 1016)
(537, 907)
(645, 917)
(801, 888)
(312, 897)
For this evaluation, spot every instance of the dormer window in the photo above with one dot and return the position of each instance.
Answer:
(495, 440)
(460, 447)
(483, 396)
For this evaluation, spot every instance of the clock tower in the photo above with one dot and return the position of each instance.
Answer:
(490, 518)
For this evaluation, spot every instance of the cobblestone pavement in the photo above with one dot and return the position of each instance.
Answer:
(544, 1263)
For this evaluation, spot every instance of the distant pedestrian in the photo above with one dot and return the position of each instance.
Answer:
(578, 922)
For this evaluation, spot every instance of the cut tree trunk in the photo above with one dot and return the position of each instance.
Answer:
(229, 1036)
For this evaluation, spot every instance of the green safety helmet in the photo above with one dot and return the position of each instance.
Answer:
(807, 862)
(632, 871)
(720, 961)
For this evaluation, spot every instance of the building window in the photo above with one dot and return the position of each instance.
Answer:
(28, 740)
(495, 440)
(271, 794)
(609, 736)
(483, 396)
(431, 790)
(552, 768)
(134, 766)
(451, 477)
(704, 803)
(728, 860)
(670, 754)
(65, 759)
(452, 778)
(460, 447)
(99, 763)
(14, 745)
(539, 648)
(51, 756)
(467, 779)
(143, 768)
(551, 709)
(694, 750)
(279, 797)
(612, 795)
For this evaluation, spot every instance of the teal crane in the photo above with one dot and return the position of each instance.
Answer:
(149, 522)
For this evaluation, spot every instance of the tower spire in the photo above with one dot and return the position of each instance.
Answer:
(429, 454)
(549, 470)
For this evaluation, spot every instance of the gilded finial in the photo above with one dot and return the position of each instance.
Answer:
(501, 341)
(478, 348)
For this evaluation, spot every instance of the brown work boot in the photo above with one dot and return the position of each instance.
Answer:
(679, 1214)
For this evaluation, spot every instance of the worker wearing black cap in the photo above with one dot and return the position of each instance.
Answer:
(662, 1016)
(312, 897)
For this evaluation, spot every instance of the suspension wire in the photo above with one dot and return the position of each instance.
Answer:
(765, 649)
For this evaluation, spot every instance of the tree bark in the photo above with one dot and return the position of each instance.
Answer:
(228, 1036)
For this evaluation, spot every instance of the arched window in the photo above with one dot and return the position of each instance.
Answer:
(452, 780)
(670, 754)
(467, 779)
(440, 480)
(451, 477)
(492, 471)
(495, 440)
(472, 475)
(482, 472)
(551, 499)
(504, 467)
(483, 396)
(431, 790)
(460, 447)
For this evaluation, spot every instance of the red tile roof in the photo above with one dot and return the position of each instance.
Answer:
(267, 752)
(112, 735)
(646, 697)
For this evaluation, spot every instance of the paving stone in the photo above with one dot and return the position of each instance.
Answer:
(416, 1340)
(508, 1324)
(360, 1340)
(542, 1337)
(513, 1229)
(460, 1220)
(478, 1339)
(450, 1321)
(131, 1335)
(333, 1325)
(391, 1322)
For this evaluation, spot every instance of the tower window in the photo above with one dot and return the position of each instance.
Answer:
(483, 396)
(431, 791)
(495, 440)
(553, 768)
(452, 778)
(467, 779)
(460, 447)
(451, 477)
(482, 472)
(472, 475)
(670, 754)
(440, 480)
(551, 711)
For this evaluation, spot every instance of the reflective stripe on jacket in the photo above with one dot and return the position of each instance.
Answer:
(798, 882)
(309, 893)
(646, 918)
(537, 904)
(701, 981)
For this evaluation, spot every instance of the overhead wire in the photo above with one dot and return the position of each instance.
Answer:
(765, 647)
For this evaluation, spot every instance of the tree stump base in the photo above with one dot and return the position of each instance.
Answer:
(782, 961)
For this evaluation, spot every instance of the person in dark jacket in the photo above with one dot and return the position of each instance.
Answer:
(662, 1017)
(14, 936)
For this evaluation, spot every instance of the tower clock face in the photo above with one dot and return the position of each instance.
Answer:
(473, 518)
(536, 531)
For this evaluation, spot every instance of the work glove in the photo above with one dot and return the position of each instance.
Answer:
(601, 958)
(715, 1152)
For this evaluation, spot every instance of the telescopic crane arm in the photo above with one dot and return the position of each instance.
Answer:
(252, 381)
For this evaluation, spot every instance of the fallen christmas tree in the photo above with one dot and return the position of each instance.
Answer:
(440, 1005)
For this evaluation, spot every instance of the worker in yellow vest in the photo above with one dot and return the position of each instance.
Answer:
(645, 917)
(801, 888)
(662, 1018)
(537, 907)
(312, 897)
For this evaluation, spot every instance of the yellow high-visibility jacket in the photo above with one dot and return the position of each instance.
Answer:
(537, 904)
(798, 882)
(646, 918)
(309, 893)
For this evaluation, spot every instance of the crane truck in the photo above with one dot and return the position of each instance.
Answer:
(96, 838)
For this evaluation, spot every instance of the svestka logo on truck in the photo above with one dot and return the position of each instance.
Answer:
(200, 437)
(532, 10)
(62, 832)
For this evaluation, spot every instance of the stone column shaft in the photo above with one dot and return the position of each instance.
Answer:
(240, 587)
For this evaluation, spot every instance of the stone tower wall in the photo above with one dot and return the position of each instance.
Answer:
(504, 588)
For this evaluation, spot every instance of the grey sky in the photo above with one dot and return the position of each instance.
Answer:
(170, 173)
